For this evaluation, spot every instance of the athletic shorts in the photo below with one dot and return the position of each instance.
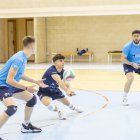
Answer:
(6, 92)
(128, 68)
(52, 93)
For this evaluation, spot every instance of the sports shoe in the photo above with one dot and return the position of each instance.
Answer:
(1, 139)
(61, 115)
(125, 101)
(77, 109)
(30, 129)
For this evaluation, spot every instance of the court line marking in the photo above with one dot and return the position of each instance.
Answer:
(86, 115)
(101, 108)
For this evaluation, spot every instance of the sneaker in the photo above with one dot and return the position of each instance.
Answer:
(125, 102)
(30, 129)
(77, 109)
(61, 115)
(1, 139)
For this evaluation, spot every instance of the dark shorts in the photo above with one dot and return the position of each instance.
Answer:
(128, 68)
(52, 93)
(6, 92)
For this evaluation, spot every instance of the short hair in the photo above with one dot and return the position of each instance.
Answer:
(27, 40)
(135, 32)
(57, 57)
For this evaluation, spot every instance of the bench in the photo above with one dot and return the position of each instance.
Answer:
(72, 55)
(89, 54)
(113, 53)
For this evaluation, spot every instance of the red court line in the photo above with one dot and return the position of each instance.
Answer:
(101, 108)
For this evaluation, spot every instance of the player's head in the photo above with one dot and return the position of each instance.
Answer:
(58, 60)
(29, 45)
(136, 36)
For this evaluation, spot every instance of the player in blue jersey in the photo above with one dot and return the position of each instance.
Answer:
(54, 79)
(131, 62)
(10, 75)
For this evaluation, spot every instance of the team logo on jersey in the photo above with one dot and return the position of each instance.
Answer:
(126, 70)
(137, 55)
(54, 72)
(7, 94)
(15, 108)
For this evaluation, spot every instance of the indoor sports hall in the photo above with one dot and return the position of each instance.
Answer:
(92, 36)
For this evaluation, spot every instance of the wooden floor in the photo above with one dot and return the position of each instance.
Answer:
(106, 80)
(90, 78)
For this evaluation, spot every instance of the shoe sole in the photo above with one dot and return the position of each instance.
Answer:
(30, 131)
(79, 111)
(125, 104)
(63, 119)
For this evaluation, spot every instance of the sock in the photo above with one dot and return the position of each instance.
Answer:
(125, 95)
(26, 122)
(71, 106)
(52, 107)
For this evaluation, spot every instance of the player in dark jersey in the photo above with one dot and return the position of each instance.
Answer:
(54, 78)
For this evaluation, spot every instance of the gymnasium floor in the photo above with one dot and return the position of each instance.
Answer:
(99, 91)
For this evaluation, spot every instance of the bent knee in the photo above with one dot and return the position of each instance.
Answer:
(46, 101)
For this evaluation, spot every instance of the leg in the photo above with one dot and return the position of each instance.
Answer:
(68, 103)
(130, 78)
(11, 109)
(31, 101)
(47, 101)
(65, 101)
(27, 127)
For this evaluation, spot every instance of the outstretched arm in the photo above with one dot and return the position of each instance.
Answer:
(62, 85)
(40, 83)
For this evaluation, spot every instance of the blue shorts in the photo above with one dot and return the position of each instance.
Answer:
(6, 92)
(128, 68)
(52, 93)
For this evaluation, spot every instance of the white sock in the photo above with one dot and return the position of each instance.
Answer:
(71, 106)
(125, 95)
(52, 107)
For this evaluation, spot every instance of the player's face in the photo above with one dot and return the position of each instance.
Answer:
(136, 38)
(60, 63)
(31, 47)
